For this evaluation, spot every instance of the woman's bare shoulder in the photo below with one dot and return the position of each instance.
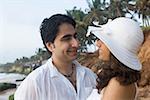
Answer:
(116, 91)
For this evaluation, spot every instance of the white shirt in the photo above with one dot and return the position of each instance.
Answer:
(46, 83)
(94, 95)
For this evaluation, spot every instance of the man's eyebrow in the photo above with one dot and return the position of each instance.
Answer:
(68, 35)
(65, 36)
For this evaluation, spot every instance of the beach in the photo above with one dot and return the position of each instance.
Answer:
(9, 78)
(4, 95)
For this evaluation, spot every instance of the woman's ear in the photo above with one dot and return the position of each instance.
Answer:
(50, 46)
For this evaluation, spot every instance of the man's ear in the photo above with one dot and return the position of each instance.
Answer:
(50, 46)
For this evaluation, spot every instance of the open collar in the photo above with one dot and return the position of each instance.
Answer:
(55, 73)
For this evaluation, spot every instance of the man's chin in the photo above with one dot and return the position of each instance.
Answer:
(74, 57)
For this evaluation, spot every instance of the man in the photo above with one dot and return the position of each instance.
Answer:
(62, 77)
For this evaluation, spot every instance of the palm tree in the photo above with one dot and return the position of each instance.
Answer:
(102, 10)
(96, 11)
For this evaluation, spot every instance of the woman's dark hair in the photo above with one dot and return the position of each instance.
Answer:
(123, 74)
(50, 27)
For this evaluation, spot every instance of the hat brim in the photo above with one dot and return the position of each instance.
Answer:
(123, 55)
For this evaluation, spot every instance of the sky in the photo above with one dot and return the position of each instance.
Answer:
(20, 21)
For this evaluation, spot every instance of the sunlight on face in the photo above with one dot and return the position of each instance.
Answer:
(66, 44)
(104, 53)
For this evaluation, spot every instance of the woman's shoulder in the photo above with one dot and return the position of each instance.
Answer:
(114, 83)
(116, 90)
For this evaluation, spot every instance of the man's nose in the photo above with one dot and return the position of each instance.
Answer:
(75, 42)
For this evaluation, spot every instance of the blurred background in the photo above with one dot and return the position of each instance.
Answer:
(21, 48)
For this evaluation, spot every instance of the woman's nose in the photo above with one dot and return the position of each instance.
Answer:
(98, 43)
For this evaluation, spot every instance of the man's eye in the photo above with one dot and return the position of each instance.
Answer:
(69, 37)
(75, 36)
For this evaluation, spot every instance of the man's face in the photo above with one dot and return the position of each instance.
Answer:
(65, 45)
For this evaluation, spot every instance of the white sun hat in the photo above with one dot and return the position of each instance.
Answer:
(123, 37)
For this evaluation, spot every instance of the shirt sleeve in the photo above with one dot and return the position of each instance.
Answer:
(94, 95)
(26, 91)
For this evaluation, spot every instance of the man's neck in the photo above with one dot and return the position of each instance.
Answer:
(63, 66)
(67, 69)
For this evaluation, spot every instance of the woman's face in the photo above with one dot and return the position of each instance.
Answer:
(104, 53)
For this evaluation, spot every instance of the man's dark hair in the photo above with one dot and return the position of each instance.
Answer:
(50, 27)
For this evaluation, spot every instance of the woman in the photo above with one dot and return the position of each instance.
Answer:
(119, 42)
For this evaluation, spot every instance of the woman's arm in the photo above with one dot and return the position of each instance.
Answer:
(115, 91)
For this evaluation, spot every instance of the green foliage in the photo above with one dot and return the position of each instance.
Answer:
(11, 97)
(4, 86)
(146, 28)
